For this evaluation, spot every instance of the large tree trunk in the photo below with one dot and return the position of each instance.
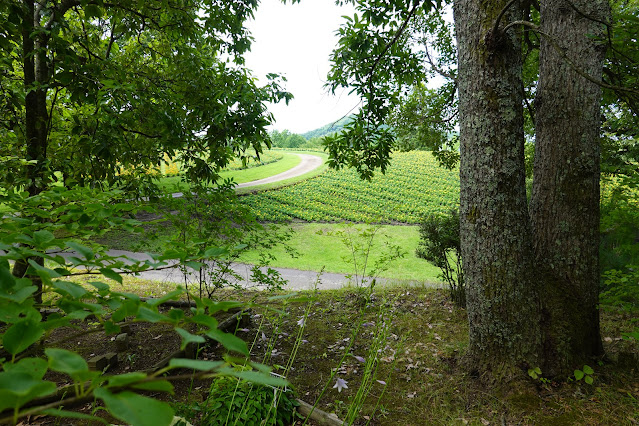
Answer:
(502, 296)
(565, 199)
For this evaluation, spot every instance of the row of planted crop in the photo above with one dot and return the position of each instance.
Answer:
(413, 187)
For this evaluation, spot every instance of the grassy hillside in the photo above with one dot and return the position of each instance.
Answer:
(413, 186)
(328, 129)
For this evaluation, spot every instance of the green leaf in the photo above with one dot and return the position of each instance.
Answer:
(589, 380)
(42, 238)
(205, 320)
(221, 306)
(68, 362)
(7, 280)
(588, 370)
(229, 341)
(170, 296)
(111, 274)
(101, 287)
(17, 388)
(73, 415)
(83, 250)
(257, 377)
(135, 409)
(110, 327)
(72, 289)
(195, 364)
(579, 374)
(92, 11)
(188, 338)
(215, 252)
(126, 379)
(21, 335)
(155, 385)
(34, 367)
(146, 314)
(19, 295)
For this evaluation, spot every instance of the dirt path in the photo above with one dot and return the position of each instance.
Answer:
(309, 163)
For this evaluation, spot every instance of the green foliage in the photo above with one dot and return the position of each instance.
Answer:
(584, 374)
(129, 84)
(235, 401)
(57, 226)
(207, 218)
(412, 188)
(440, 245)
(359, 243)
(424, 121)
(620, 291)
(619, 225)
(375, 59)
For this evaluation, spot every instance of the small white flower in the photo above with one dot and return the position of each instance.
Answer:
(359, 358)
(302, 322)
(340, 384)
(381, 382)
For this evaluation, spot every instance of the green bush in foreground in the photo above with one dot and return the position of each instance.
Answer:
(35, 233)
(236, 401)
(440, 245)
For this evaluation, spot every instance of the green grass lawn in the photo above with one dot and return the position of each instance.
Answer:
(330, 253)
(289, 160)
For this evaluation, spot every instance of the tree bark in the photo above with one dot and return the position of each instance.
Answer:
(565, 198)
(36, 78)
(502, 296)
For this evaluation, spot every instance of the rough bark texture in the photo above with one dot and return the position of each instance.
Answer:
(502, 298)
(565, 200)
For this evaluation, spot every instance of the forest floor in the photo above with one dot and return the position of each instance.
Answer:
(400, 352)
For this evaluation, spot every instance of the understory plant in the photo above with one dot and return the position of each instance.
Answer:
(238, 402)
(359, 241)
(46, 241)
(207, 218)
(440, 245)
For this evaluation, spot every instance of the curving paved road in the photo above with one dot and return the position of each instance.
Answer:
(309, 163)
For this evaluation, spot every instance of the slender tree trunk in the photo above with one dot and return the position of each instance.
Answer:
(35, 80)
(565, 199)
(502, 296)
(36, 77)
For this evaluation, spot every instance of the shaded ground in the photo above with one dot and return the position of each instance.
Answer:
(406, 346)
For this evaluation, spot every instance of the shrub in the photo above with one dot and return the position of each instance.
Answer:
(439, 244)
(236, 401)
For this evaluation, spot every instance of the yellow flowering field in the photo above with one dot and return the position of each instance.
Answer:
(413, 186)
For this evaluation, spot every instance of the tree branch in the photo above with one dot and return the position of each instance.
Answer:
(557, 47)
(501, 15)
(400, 31)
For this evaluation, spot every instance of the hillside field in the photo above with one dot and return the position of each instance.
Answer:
(413, 187)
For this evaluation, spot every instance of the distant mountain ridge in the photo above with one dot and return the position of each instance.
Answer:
(328, 128)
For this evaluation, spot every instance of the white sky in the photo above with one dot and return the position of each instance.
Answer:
(296, 40)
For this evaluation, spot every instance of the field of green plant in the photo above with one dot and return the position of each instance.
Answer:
(413, 186)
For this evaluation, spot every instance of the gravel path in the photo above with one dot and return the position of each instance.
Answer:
(296, 279)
